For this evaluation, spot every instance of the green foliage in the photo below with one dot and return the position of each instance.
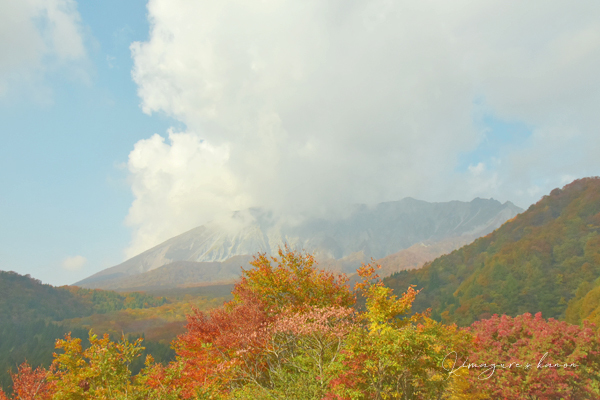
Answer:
(103, 301)
(27, 299)
(585, 306)
(33, 315)
(393, 355)
(29, 341)
(275, 342)
(536, 262)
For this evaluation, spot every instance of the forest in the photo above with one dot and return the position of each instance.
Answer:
(546, 260)
(292, 331)
(512, 315)
(33, 315)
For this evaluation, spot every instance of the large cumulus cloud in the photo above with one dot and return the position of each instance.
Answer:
(299, 106)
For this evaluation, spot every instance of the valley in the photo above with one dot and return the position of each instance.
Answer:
(487, 259)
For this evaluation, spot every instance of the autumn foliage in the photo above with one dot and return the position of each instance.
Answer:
(30, 384)
(292, 281)
(293, 331)
(542, 359)
(546, 260)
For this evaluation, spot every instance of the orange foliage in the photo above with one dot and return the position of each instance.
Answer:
(225, 339)
(30, 384)
(295, 282)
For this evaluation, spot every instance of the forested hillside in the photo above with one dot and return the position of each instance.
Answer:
(33, 315)
(546, 259)
(292, 332)
(26, 299)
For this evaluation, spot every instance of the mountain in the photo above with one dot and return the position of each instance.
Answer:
(177, 274)
(33, 315)
(419, 254)
(546, 259)
(26, 299)
(209, 252)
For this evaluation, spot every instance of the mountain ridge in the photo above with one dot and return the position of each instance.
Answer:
(546, 259)
(376, 231)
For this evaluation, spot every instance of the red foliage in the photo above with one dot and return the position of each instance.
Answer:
(225, 338)
(335, 321)
(227, 348)
(530, 357)
(29, 384)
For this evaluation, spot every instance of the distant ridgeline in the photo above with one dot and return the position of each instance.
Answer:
(546, 259)
(24, 299)
(213, 253)
(30, 311)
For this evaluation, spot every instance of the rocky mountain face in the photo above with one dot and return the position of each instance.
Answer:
(214, 252)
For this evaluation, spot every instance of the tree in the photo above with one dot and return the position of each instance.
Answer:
(393, 355)
(294, 283)
(30, 384)
(244, 344)
(221, 350)
(98, 372)
(534, 358)
(304, 349)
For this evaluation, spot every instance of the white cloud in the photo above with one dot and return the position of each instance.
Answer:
(183, 181)
(35, 36)
(74, 263)
(304, 105)
(110, 61)
(478, 169)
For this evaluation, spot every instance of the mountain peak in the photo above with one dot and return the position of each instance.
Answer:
(372, 231)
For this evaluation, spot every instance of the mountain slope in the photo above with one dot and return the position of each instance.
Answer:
(539, 261)
(26, 299)
(375, 232)
(32, 317)
(419, 254)
(177, 274)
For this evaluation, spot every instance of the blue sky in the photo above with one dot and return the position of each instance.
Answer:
(64, 187)
(497, 138)
(116, 136)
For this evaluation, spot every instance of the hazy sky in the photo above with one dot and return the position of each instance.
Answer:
(125, 123)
